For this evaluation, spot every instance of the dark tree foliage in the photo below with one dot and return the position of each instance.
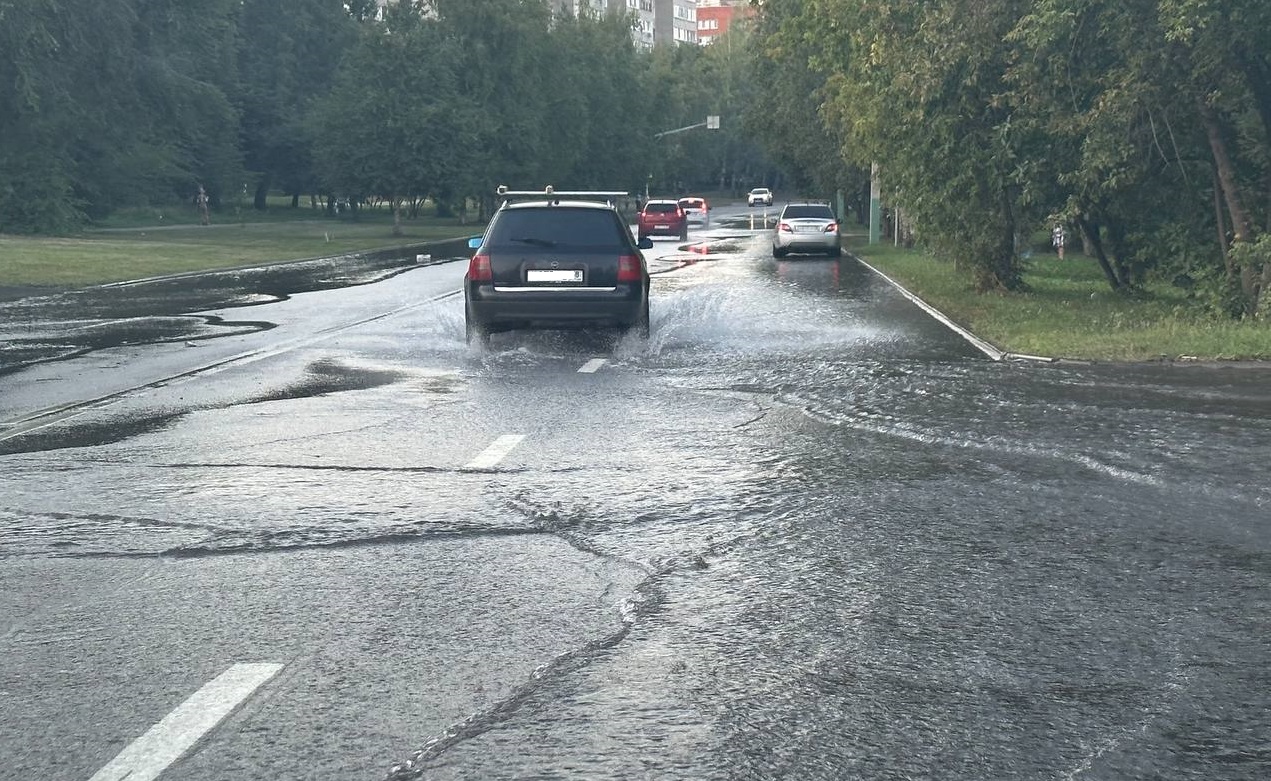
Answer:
(112, 102)
(119, 103)
(1145, 125)
(288, 54)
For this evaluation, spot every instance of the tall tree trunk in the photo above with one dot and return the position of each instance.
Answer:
(1241, 228)
(1266, 226)
(1087, 246)
(261, 201)
(1120, 251)
(1090, 232)
(1220, 220)
(1003, 270)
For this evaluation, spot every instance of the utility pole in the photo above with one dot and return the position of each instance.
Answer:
(875, 205)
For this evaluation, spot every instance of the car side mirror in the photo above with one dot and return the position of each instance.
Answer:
(645, 243)
(474, 242)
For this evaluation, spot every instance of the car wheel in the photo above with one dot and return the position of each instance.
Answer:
(684, 233)
(835, 252)
(474, 332)
(641, 326)
(777, 252)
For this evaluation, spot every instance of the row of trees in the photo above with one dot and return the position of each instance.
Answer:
(112, 103)
(1145, 124)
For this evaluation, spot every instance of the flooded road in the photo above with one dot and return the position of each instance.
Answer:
(806, 532)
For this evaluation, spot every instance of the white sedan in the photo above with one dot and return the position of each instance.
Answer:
(760, 196)
(806, 227)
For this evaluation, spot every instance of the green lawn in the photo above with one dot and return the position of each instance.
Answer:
(1070, 312)
(130, 253)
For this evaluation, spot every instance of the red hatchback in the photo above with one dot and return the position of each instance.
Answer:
(663, 218)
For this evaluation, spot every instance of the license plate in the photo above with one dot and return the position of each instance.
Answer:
(805, 229)
(556, 275)
(661, 227)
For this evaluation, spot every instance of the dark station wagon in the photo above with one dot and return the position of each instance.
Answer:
(560, 260)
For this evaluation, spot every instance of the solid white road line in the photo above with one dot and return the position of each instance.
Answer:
(592, 366)
(976, 342)
(496, 452)
(149, 755)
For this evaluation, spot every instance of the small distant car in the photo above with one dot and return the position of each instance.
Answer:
(806, 227)
(561, 260)
(697, 210)
(662, 217)
(760, 196)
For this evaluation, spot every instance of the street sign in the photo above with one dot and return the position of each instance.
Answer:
(712, 122)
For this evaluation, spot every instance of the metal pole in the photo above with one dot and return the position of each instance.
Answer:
(875, 205)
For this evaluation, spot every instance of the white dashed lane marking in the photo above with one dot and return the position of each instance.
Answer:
(164, 743)
(496, 452)
(592, 366)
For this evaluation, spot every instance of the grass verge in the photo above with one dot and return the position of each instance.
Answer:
(132, 253)
(1070, 312)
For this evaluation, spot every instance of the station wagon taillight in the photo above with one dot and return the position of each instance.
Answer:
(479, 269)
(629, 268)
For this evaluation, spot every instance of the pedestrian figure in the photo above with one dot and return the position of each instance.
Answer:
(1058, 238)
(200, 201)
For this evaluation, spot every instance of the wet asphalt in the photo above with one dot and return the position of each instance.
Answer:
(805, 532)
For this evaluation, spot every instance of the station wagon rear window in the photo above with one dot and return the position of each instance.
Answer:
(557, 226)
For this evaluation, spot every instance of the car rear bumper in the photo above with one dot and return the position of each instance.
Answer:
(673, 230)
(555, 308)
(809, 241)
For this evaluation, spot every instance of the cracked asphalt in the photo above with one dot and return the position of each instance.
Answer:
(287, 524)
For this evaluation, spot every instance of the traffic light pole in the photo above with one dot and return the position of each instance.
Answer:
(679, 130)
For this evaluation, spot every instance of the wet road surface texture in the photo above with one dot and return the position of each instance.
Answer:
(805, 532)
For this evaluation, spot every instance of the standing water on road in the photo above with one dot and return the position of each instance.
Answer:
(805, 532)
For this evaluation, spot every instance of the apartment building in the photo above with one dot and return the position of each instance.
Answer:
(674, 21)
(714, 17)
(594, 6)
(656, 21)
(642, 10)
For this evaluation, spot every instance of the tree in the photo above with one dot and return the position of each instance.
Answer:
(114, 102)
(288, 52)
(786, 111)
(1159, 114)
(396, 124)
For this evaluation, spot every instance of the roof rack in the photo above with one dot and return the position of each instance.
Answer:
(555, 195)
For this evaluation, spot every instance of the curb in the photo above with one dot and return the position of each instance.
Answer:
(425, 254)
